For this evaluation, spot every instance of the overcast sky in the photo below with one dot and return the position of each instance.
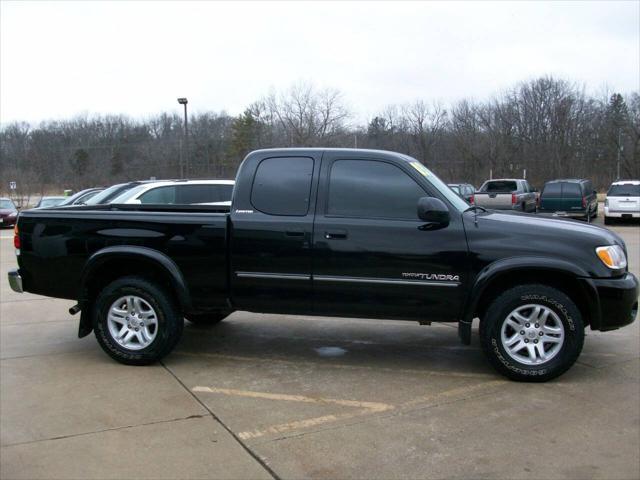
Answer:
(60, 59)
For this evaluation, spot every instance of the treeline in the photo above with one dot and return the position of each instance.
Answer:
(549, 127)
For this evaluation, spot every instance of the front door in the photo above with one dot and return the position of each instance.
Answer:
(373, 256)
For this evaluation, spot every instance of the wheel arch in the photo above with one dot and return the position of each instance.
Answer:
(560, 274)
(110, 263)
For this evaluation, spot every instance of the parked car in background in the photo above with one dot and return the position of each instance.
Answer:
(623, 200)
(506, 194)
(181, 192)
(81, 197)
(114, 191)
(573, 198)
(50, 201)
(464, 190)
(8, 212)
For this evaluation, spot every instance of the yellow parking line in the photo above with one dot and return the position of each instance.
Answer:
(364, 408)
(374, 406)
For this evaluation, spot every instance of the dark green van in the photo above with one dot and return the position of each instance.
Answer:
(573, 198)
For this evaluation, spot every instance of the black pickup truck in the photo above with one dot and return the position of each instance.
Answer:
(336, 232)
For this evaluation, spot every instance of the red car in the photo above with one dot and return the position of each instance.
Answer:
(8, 213)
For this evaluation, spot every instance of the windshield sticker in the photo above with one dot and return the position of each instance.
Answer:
(421, 168)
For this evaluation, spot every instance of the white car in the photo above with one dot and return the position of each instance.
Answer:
(623, 200)
(179, 192)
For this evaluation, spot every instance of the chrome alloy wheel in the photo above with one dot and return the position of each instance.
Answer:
(532, 334)
(132, 322)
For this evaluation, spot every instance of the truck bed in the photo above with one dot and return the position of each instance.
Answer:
(56, 244)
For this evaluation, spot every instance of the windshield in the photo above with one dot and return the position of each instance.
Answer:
(442, 187)
(624, 190)
(127, 194)
(105, 194)
(7, 205)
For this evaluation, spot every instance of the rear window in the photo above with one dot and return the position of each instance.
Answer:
(506, 186)
(624, 190)
(282, 186)
(571, 190)
(552, 189)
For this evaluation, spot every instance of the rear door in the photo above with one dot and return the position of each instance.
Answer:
(271, 228)
(551, 197)
(372, 258)
(572, 197)
(624, 198)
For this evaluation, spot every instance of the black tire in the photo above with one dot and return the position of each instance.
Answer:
(556, 301)
(608, 221)
(207, 319)
(169, 320)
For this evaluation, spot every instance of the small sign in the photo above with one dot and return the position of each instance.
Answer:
(13, 185)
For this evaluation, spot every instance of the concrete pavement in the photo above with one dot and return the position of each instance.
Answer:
(264, 396)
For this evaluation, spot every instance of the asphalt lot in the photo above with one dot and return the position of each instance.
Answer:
(263, 396)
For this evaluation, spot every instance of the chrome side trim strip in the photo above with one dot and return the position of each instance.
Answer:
(384, 281)
(274, 276)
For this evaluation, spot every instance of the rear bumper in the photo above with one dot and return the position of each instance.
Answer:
(618, 301)
(574, 214)
(620, 213)
(15, 281)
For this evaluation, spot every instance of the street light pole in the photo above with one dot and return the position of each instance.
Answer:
(185, 142)
(619, 150)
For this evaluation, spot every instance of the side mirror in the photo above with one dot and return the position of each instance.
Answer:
(434, 211)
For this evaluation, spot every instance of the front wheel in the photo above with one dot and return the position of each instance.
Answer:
(136, 322)
(532, 333)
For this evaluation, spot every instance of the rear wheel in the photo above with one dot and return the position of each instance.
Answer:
(207, 319)
(532, 333)
(136, 322)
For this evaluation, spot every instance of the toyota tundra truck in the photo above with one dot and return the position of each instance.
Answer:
(331, 232)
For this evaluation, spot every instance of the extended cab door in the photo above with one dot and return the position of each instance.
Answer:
(373, 257)
(270, 232)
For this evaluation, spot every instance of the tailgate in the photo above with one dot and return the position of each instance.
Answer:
(493, 200)
(624, 204)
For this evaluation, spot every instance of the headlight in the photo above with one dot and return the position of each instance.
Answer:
(612, 256)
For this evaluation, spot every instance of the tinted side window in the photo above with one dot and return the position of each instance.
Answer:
(552, 189)
(588, 188)
(370, 189)
(571, 190)
(163, 195)
(282, 186)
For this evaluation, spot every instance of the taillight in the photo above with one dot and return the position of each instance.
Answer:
(472, 199)
(16, 237)
(513, 199)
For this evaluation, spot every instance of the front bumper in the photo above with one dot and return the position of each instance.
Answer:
(15, 281)
(618, 301)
